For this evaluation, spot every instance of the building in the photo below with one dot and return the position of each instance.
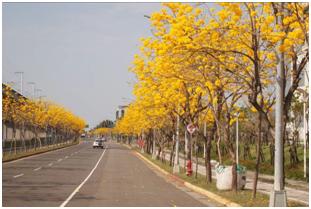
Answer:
(120, 112)
(302, 93)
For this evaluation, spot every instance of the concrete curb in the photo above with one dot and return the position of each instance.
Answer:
(128, 146)
(212, 195)
(152, 164)
(197, 189)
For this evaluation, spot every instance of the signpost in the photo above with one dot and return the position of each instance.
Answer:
(191, 128)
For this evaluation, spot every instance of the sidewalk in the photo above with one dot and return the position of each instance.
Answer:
(300, 195)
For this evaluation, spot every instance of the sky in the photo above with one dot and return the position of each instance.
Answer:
(78, 54)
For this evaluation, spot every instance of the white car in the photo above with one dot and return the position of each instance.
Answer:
(98, 143)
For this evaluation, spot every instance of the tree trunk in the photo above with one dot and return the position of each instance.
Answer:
(231, 150)
(185, 151)
(14, 138)
(208, 167)
(189, 150)
(172, 152)
(196, 156)
(159, 152)
(218, 145)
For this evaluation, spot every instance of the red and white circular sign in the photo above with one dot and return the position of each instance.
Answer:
(191, 128)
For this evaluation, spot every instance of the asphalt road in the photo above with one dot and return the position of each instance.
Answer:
(83, 176)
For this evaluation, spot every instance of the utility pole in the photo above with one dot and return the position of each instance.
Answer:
(278, 195)
(176, 164)
(21, 81)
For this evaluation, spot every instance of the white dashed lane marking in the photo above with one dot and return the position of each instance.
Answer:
(59, 160)
(36, 169)
(50, 164)
(19, 175)
(85, 180)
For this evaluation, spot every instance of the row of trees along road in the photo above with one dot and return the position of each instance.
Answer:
(38, 116)
(205, 65)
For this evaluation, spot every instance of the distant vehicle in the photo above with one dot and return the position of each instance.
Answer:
(83, 135)
(104, 139)
(98, 143)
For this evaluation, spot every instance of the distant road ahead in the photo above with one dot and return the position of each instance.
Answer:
(83, 176)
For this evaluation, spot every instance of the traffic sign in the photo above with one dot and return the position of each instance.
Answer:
(191, 128)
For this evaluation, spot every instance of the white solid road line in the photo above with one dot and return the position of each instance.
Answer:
(37, 169)
(85, 180)
(19, 175)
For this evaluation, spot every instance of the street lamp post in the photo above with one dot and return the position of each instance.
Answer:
(237, 138)
(33, 84)
(278, 195)
(37, 90)
(176, 164)
(21, 81)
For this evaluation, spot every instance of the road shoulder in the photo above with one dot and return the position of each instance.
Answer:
(220, 201)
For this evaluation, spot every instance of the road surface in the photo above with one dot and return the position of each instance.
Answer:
(83, 176)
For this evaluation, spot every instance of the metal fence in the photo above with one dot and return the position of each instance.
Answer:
(11, 147)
